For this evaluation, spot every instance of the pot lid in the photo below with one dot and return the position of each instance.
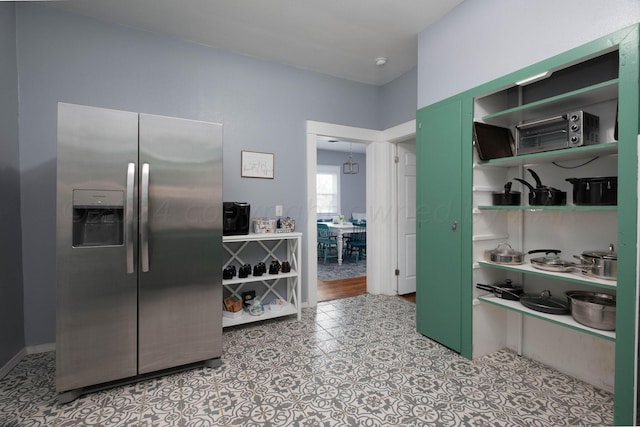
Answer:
(610, 254)
(505, 249)
(545, 303)
(508, 286)
(595, 298)
(552, 260)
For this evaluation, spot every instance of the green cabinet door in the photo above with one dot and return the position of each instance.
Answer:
(438, 210)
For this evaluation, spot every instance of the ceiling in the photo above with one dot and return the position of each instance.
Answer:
(341, 38)
(332, 144)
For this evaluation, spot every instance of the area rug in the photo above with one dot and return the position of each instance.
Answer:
(332, 271)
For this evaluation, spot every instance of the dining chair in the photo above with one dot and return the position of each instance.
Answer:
(326, 242)
(357, 242)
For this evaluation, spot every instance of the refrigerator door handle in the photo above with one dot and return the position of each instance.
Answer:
(144, 218)
(131, 175)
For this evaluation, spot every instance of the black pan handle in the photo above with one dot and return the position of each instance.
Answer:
(485, 287)
(507, 187)
(511, 295)
(546, 251)
(526, 183)
(536, 177)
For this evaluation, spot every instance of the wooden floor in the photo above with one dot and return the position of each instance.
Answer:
(344, 288)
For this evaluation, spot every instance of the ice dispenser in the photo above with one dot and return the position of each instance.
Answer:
(98, 218)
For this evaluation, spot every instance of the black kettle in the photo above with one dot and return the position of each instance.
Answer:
(543, 195)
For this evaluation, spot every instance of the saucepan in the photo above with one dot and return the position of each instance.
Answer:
(595, 190)
(593, 309)
(506, 197)
(543, 195)
(601, 264)
(504, 254)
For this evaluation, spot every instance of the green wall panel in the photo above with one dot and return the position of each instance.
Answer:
(439, 243)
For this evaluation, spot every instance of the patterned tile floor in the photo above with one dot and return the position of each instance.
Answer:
(351, 362)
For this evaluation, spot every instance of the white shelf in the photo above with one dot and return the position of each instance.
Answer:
(597, 93)
(560, 319)
(607, 149)
(261, 236)
(288, 310)
(486, 189)
(483, 237)
(265, 277)
(261, 247)
(532, 208)
(568, 277)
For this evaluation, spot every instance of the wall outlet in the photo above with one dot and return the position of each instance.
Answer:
(278, 210)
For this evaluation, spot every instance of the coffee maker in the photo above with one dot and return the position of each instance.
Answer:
(235, 218)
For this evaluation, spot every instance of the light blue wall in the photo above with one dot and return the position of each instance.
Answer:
(11, 298)
(353, 197)
(263, 106)
(398, 100)
(481, 40)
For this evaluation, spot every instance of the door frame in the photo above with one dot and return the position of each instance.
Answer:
(380, 205)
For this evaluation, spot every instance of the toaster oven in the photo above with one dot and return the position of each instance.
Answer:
(573, 129)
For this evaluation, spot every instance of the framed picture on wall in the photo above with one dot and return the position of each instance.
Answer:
(256, 165)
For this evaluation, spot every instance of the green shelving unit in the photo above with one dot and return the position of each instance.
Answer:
(451, 204)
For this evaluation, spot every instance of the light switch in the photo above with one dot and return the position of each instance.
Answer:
(278, 210)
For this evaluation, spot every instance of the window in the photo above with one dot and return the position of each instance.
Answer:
(328, 190)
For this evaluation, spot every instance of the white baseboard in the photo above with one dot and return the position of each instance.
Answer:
(33, 349)
(4, 370)
(41, 348)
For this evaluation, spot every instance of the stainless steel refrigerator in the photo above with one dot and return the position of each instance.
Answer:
(138, 246)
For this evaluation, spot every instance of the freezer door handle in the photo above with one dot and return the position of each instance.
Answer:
(144, 218)
(131, 175)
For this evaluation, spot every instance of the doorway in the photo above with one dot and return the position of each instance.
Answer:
(380, 210)
(341, 191)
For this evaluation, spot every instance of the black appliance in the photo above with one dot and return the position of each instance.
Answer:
(235, 218)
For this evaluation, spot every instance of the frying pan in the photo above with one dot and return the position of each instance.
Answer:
(506, 291)
(545, 303)
(552, 262)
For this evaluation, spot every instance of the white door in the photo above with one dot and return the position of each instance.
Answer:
(406, 262)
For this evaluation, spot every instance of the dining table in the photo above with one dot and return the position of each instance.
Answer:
(341, 229)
